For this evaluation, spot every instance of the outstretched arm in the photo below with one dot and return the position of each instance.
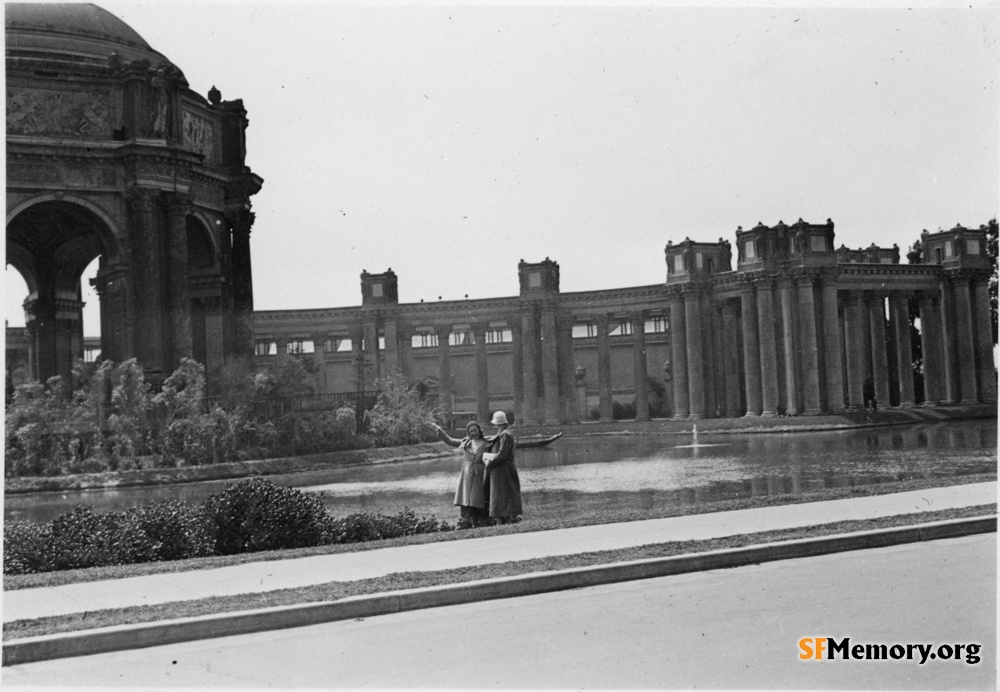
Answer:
(444, 437)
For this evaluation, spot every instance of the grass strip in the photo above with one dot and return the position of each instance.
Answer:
(583, 509)
(334, 590)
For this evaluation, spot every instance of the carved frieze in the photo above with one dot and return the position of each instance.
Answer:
(32, 111)
(66, 176)
(199, 135)
(208, 195)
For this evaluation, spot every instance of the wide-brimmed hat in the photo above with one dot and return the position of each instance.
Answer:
(499, 418)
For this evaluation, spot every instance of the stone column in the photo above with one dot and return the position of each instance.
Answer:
(640, 368)
(751, 351)
(530, 349)
(148, 306)
(768, 360)
(319, 362)
(808, 347)
(790, 343)
(717, 367)
(833, 372)
(695, 369)
(880, 361)
(178, 208)
(443, 332)
(242, 282)
(930, 346)
(678, 357)
(984, 340)
(965, 339)
(949, 367)
(604, 367)
(361, 375)
(854, 338)
(900, 312)
(391, 334)
(371, 346)
(730, 334)
(567, 374)
(517, 366)
(482, 373)
(550, 364)
(405, 333)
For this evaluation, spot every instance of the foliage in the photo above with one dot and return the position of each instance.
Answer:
(256, 514)
(400, 415)
(249, 516)
(620, 411)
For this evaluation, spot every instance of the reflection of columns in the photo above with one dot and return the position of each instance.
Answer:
(178, 208)
(768, 360)
(529, 334)
(854, 339)
(984, 340)
(930, 347)
(899, 312)
(832, 347)
(731, 358)
(789, 342)
(482, 373)
(517, 366)
(443, 332)
(640, 367)
(391, 335)
(604, 367)
(808, 347)
(751, 351)
(696, 369)
(965, 341)
(948, 365)
(550, 364)
(880, 362)
(567, 375)
(678, 357)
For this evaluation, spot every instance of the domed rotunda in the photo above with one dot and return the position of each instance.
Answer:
(110, 154)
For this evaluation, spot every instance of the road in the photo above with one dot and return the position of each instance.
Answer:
(736, 628)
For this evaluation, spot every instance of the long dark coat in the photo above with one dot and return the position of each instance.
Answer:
(502, 484)
(469, 492)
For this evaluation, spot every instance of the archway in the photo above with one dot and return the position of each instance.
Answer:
(51, 244)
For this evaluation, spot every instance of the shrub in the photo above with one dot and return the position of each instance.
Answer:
(27, 547)
(255, 514)
(620, 411)
(173, 531)
(356, 528)
(84, 538)
(401, 414)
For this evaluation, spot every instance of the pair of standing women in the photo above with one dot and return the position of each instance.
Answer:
(488, 486)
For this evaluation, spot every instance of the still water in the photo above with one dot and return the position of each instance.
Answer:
(642, 471)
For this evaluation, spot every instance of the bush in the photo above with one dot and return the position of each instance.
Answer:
(356, 528)
(620, 411)
(172, 530)
(27, 547)
(256, 514)
(401, 415)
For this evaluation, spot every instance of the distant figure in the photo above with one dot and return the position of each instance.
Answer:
(502, 486)
(470, 496)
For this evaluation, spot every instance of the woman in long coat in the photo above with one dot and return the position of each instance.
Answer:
(502, 485)
(470, 495)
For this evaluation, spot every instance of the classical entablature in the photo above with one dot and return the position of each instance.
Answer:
(110, 154)
(796, 327)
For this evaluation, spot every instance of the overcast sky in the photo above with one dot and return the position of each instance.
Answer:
(448, 143)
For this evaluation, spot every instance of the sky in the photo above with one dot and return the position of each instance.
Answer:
(448, 143)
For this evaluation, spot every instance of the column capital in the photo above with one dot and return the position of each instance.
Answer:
(479, 329)
(442, 330)
(141, 198)
(638, 317)
(728, 307)
(764, 282)
(805, 280)
(602, 319)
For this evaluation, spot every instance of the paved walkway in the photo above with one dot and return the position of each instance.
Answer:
(256, 577)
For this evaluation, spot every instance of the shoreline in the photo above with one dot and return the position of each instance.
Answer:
(434, 450)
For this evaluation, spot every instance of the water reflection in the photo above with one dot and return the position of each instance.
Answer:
(632, 471)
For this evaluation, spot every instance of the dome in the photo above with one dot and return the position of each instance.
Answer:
(64, 36)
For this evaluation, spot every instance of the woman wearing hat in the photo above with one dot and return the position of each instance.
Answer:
(502, 485)
(469, 495)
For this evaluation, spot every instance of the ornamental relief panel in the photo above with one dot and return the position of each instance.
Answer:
(95, 176)
(58, 113)
(199, 135)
